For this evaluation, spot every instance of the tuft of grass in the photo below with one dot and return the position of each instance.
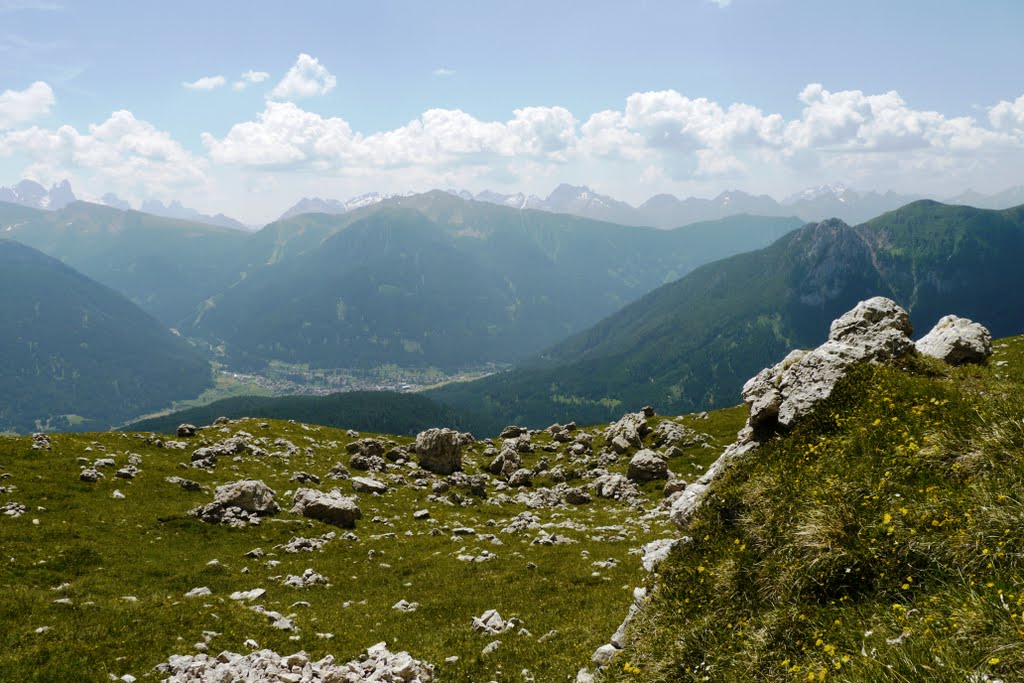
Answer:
(881, 540)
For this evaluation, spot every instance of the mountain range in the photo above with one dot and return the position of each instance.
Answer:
(598, 316)
(420, 281)
(691, 344)
(31, 194)
(667, 211)
(432, 280)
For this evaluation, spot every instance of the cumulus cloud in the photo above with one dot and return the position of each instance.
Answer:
(720, 3)
(284, 134)
(126, 153)
(248, 78)
(19, 106)
(307, 78)
(662, 136)
(443, 73)
(1008, 116)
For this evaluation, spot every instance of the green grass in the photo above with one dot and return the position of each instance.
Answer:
(98, 552)
(882, 540)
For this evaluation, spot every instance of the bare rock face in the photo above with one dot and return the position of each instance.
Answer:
(251, 495)
(957, 341)
(647, 465)
(330, 507)
(439, 450)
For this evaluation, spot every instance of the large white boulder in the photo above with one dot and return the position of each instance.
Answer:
(957, 341)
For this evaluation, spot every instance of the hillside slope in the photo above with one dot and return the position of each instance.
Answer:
(880, 540)
(692, 343)
(165, 266)
(73, 353)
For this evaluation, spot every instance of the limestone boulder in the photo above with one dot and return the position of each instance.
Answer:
(439, 450)
(647, 465)
(957, 341)
(250, 495)
(330, 507)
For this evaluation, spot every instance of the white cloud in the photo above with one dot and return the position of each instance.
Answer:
(720, 3)
(255, 76)
(443, 72)
(663, 137)
(1008, 116)
(205, 83)
(307, 78)
(19, 106)
(248, 78)
(124, 154)
(284, 134)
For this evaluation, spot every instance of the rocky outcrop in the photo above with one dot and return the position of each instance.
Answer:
(330, 507)
(957, 341)
(439, 450)
(875, 330)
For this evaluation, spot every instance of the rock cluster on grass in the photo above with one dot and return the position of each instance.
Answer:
(265, 666)
(238, 503)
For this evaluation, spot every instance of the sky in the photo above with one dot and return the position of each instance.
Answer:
(243, 108)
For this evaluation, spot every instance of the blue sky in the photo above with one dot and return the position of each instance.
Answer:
(631, 98)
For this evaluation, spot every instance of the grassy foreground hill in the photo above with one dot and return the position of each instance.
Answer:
(881, 540)
(691, 344)
(93, 585)
(75, 354)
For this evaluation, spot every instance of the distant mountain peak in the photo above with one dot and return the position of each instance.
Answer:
(333, 206)
(33, 195)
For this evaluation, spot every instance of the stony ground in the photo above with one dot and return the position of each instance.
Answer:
(515, 568)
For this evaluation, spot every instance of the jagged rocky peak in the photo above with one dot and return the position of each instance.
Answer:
(33, 195)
